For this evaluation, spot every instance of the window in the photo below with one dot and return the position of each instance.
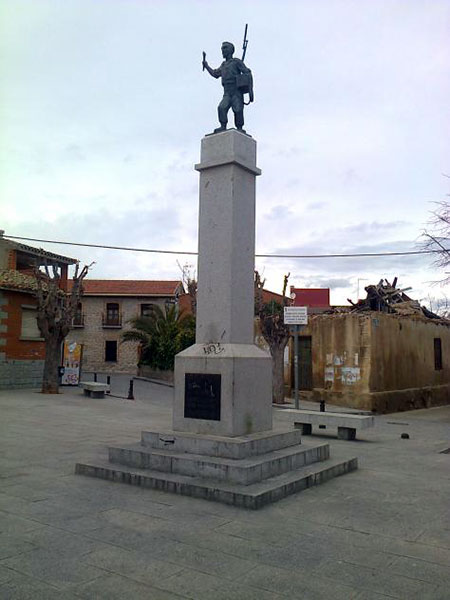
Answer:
(30, 329)
(78, 319)
(437, 354)
(146, 310)
(112, 318)
(110, 351)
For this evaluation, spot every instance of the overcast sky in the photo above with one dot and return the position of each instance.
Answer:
(104, 104)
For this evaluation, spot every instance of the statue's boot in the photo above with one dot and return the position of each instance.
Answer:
(239, 119)
(223, 127)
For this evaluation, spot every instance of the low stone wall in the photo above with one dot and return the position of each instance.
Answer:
(16, 374)
(147, 371)
(390, 401)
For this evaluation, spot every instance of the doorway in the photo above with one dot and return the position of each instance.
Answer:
(305, 381)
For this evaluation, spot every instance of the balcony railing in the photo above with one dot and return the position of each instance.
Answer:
(114, 320)
(78, 320)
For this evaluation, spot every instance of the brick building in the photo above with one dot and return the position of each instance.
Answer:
(104, 313)
(22, 349)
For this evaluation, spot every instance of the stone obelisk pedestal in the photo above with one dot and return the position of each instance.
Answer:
(221, 446)
(223, 383)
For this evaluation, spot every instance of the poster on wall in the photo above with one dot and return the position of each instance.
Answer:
(71, 363)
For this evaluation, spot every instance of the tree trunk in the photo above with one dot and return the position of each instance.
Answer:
(278, 373)
(50, 380)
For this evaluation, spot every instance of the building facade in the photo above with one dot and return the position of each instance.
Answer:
(104, 313)
(22, 349)
(377, 361)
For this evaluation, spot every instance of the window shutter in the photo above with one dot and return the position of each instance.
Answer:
(30, 328)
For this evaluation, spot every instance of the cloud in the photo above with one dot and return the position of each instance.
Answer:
(329, 282)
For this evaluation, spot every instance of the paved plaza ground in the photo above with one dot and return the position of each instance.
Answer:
(380, 532)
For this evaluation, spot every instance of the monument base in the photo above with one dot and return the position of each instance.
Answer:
(223, 389)
(248, 471)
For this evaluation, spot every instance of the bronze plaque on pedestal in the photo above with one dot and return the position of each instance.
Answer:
(202, 396)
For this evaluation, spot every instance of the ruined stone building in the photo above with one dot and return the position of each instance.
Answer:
(376, 360)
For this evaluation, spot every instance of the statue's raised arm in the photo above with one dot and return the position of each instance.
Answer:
(237, 80)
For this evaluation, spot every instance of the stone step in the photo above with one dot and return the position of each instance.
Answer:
(225, 447)
(244, 472)
(253, 496)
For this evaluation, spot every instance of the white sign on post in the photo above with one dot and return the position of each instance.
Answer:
(295, 315)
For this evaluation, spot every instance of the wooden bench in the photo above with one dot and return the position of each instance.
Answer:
(346, 423)
(94, 389)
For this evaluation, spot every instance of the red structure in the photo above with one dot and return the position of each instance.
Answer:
(317, 299)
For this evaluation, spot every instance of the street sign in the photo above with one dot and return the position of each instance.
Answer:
(295, 315)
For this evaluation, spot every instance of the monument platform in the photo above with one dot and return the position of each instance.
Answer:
(247, 471)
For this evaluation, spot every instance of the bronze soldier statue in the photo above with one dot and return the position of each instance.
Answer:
(236, 80)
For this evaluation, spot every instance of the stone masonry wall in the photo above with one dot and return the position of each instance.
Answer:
(379, 362)
(16, 374)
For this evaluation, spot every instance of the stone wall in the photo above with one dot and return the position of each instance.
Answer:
(403, 373)
(381, 362)
(16, 374)
(340, 357)
(93, 335)
(149, 373)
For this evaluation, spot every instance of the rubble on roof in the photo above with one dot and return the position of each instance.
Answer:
(386, 297)
(17, 280)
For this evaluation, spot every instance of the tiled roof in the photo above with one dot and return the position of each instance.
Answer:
(15, 280)
(268, 296)
(39, 252)
(129, 287)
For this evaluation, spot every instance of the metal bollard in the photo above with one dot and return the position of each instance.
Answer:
(322, 406)
(95, 376)
(108, 381)
(130, 390)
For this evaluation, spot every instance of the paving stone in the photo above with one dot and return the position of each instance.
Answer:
(422, 570)
(11, 545)
(198, 586)
(5, 574)
(142, 541)
(14, 524)
(135, 565)
(14, 505)
(273, 533)
(52, 567)
(23, 587)
(63, 542)
(365, 595)
(189, 583)
(234, 591)
(206, 561)
(115, 587)
(296, 584)
(435, 536)
(229, 544)
(375, 580)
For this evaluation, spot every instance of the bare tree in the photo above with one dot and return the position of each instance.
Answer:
(190, 284)
(275, 332)
(55, 310)
(437, 237)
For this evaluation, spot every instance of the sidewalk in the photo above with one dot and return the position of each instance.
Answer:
(380, 532)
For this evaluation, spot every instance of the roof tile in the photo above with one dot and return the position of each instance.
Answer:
(130, 287)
